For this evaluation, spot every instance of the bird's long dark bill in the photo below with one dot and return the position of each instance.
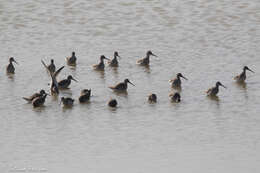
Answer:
(16, 62)
(107, 59)
(154, 55)
(223, 86)
(74, 80)
(251, 70)
(131, 83)
(184, 78)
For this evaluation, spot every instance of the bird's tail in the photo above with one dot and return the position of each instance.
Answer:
(236, 77)
(27, 99)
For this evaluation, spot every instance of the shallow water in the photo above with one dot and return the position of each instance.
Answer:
(205, 40)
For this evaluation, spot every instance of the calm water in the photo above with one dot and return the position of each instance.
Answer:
(205, 40)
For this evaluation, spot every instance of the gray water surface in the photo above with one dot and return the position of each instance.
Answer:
(205, 40)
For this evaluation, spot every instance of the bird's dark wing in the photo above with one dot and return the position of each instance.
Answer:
(62, 82)
(57, 72)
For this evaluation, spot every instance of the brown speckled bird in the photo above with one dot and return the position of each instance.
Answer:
(112, 103)
(214, 90)
(152, 98)
(122, 86)
(176, 82)
(35, 95)
(145, 61)
(100, 65)
(114, 61)
(10, 67)
(72, 60)
(242, 76)
(85, 95)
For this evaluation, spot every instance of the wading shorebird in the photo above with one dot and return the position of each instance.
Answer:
(39, 101)
(112, 103)
(67, 102)
(10, 67)
(145, 61)
(242, 77)
(85, 95)
(176, 82)
(152, 98)
(214, 90)
(114, 62)
(72, 60)
(100, 65)
(122, 86)
(65, 83)
(54, 83)
(175, 97)
(35, 95)
(52, 66)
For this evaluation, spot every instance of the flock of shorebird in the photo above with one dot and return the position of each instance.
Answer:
(38, 99)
